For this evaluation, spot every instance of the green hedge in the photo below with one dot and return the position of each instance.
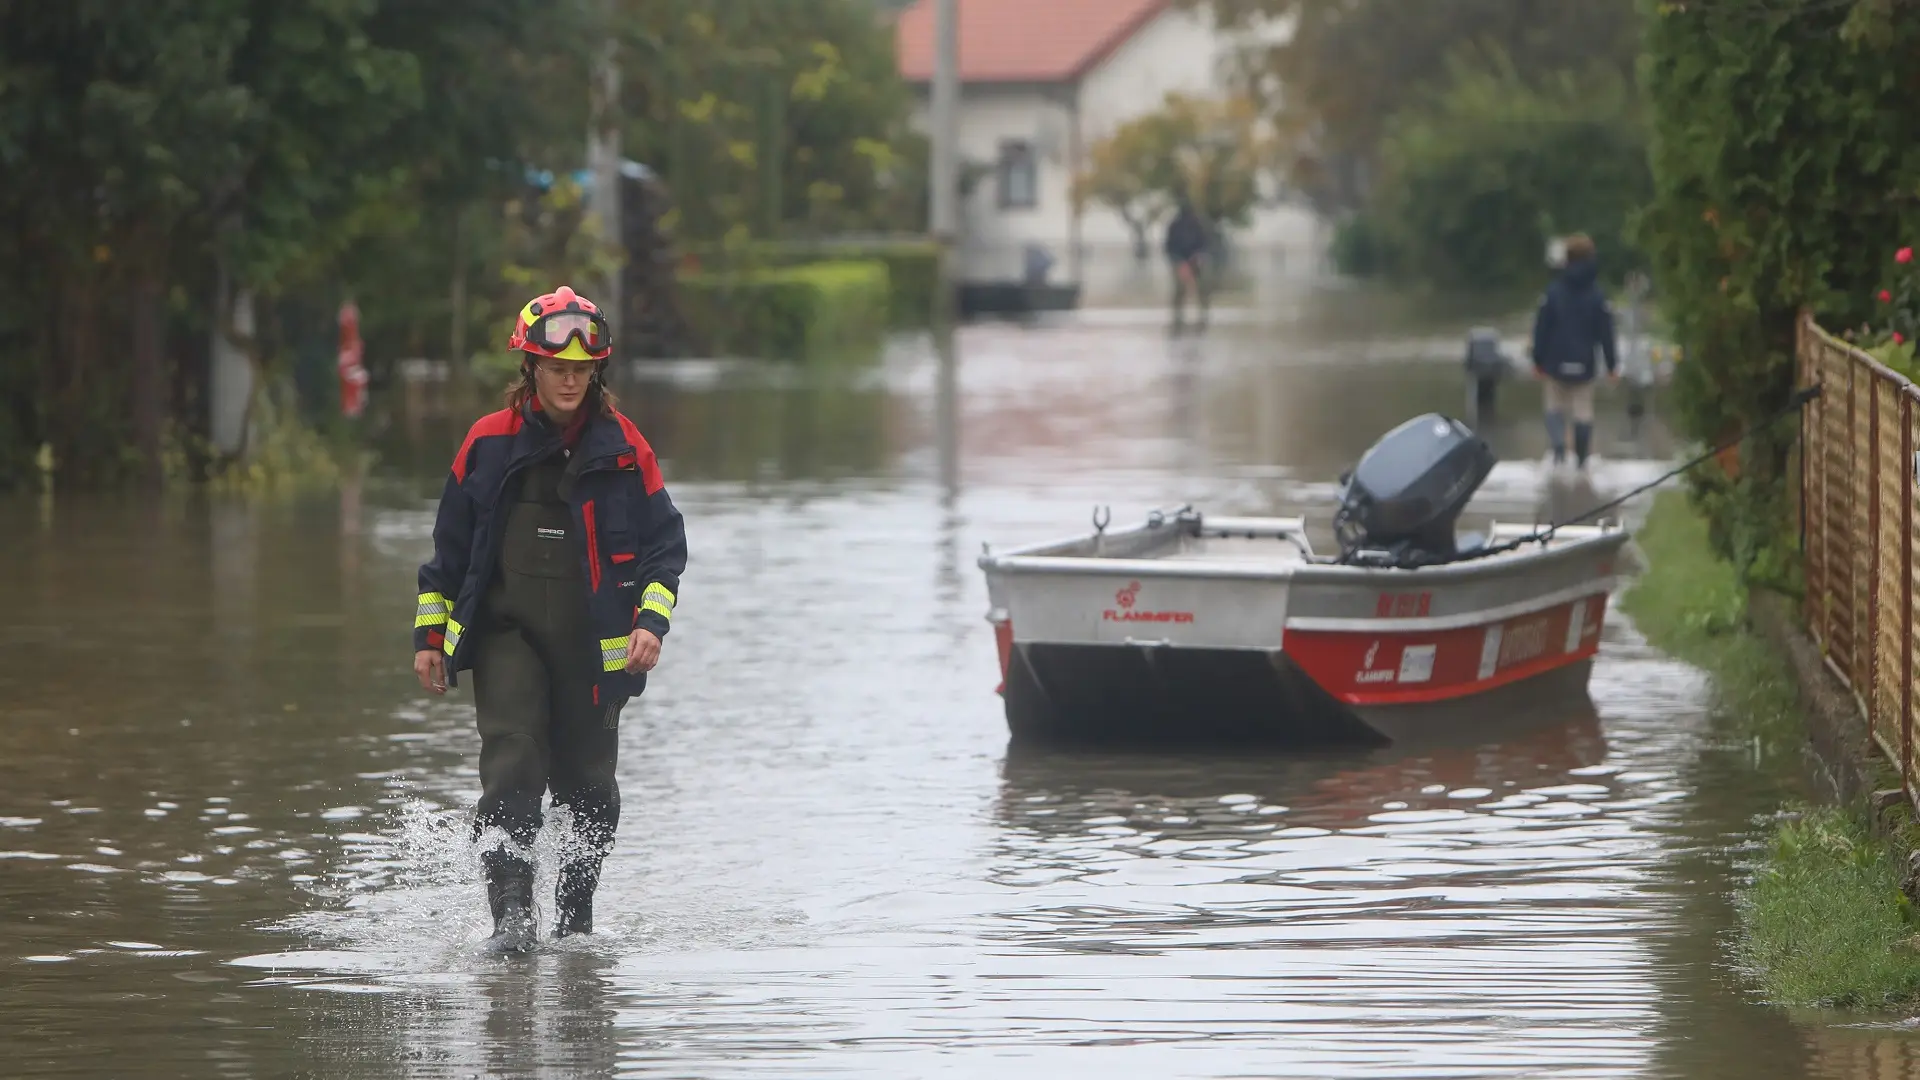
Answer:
(913, 272)
(789, 313)
(1786, 166)
(913, 268)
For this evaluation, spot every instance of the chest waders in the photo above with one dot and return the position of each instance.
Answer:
(534, 671)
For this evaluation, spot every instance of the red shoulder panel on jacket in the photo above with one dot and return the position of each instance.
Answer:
(649, 465)
(504, 422)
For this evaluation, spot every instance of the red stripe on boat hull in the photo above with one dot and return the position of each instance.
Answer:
(1393, 666)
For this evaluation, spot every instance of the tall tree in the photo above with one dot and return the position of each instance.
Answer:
(1216, 153)
(1349, 66)
(273, 139)
(773, 115)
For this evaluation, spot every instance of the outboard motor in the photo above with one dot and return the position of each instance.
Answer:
(1400, 503)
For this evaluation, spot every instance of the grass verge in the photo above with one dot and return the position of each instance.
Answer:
(1691, 603)
(1823, 920)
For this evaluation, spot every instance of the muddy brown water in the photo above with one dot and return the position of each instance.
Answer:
(231, 827)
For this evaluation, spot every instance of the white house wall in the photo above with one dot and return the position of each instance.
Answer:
(1178, 51)
(1175, 53)
(992, 238)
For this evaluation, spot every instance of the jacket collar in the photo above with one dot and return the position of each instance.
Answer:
(602, 436)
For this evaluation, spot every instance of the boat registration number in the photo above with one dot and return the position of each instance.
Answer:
(1403, 605)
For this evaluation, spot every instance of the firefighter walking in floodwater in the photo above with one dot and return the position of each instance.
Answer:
(556, 567)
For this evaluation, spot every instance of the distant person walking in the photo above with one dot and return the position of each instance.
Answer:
(1572, 324)
(1486, 365)
(1187, 243)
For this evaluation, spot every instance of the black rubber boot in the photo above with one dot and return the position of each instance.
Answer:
(510, 896)
(1557, 436)
(573, 897)
(1582, 442)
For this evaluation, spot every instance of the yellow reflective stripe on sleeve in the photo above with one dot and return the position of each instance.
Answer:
(658, 597)
(613, 653)
(431, 611)
(454, 629)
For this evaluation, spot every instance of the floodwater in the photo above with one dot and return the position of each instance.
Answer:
(231, 826)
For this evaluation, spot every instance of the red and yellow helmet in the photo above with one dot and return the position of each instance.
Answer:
(564, 325)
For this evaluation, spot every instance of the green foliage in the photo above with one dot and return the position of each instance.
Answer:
(824, 309)
(1213, 152)
(288, 455)
(1348, 70)
(1692, 603)
(1786, 157)
(187, 150)
(1825, 920)
(913, 271)
(772, 116)
(1361, 248)
(304, 152)
(1895, 330)
(1475, 184)
(1686, 594)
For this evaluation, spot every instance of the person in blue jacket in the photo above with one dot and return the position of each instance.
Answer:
(556, 566)
(1572, 332)
(1187, 243)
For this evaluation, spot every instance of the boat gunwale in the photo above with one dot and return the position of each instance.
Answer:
(1602, 587)
(1299, 571)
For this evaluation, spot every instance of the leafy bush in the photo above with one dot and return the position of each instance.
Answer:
(1891, 336)
(1475, 185)
(1785, 154)
(789, 313)
(913, 271)
(1360, 248)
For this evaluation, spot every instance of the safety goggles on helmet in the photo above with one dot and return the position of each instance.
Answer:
(553, 332)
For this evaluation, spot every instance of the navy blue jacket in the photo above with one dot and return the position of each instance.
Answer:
(627, 533)
(1186, 236)
(1572, 324)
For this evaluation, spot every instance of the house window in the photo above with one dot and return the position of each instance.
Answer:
(1019, 175)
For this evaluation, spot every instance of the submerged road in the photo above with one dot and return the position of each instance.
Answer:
(231, 828)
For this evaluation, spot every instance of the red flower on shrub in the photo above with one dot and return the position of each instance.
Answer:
(1897, 339)
(1886, 296)
(1904, 255)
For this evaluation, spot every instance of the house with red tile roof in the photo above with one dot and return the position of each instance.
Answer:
(1040, 81)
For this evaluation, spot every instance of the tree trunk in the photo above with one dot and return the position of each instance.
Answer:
(72, 415)
(146, 317)
(457, 373)
(231, 374)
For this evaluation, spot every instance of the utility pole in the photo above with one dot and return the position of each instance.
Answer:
(603, 159)
(944, 116)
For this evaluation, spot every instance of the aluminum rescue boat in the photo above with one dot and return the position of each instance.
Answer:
(1193, 628)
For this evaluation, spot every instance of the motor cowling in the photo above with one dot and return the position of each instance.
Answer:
(1400, 503)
